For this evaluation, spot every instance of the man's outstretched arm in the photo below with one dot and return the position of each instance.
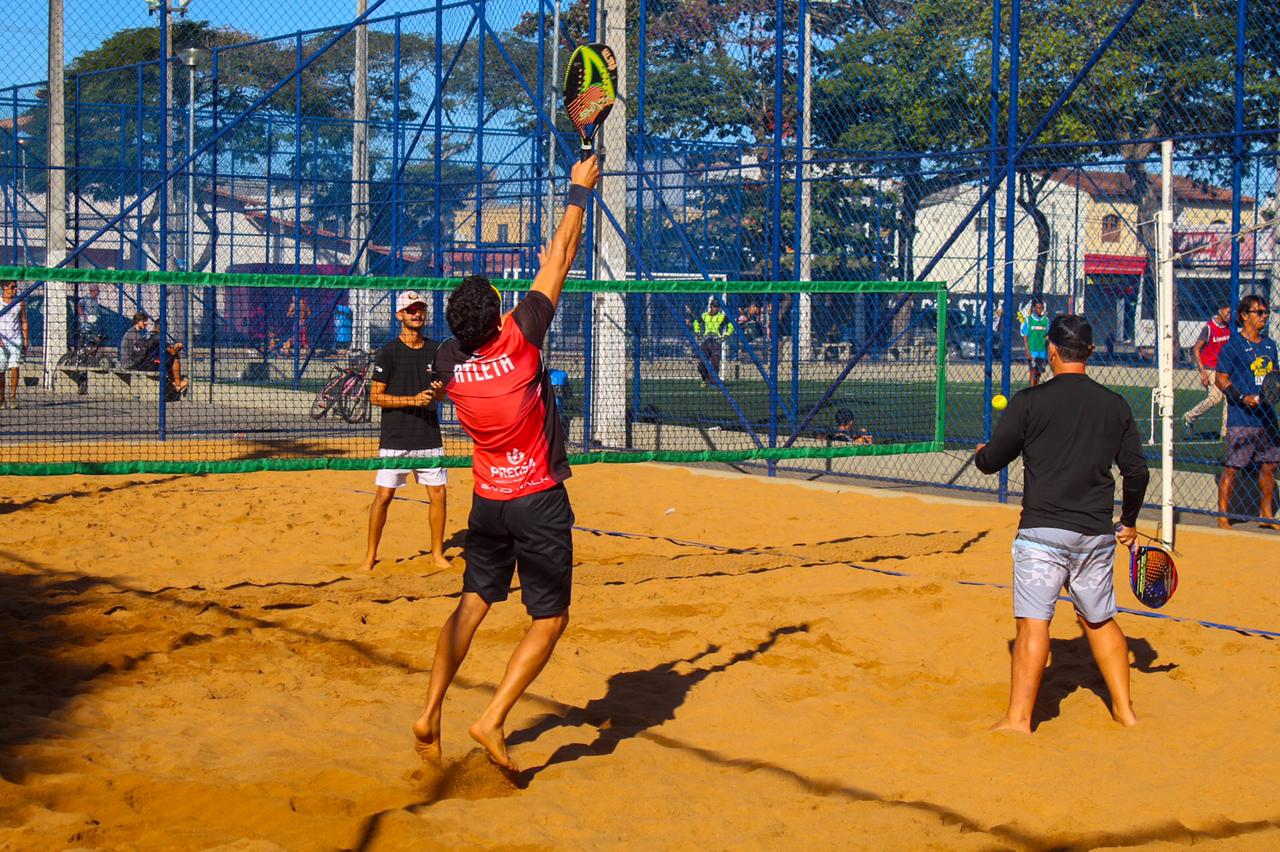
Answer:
(556, 259)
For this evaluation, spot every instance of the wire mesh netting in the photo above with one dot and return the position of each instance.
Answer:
(1012, 156)
(268, 372)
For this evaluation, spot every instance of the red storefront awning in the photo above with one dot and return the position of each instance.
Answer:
(1114, 264)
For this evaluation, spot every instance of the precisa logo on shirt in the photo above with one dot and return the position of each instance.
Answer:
(518, 466)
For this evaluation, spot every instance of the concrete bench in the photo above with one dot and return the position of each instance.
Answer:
(102, 381)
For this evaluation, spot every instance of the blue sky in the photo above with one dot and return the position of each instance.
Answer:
(24, 28)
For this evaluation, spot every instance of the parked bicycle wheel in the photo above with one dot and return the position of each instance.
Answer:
(354, 405)
(358, 409)
(328, 396)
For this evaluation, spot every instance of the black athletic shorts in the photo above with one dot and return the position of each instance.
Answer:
(532, 534)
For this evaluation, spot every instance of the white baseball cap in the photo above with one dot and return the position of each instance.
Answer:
(407, 298)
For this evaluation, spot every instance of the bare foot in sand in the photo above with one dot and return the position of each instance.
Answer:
(494, 742)
(367, 565)
(1224, 524)
(1007, 724)
(441, 561)
(1124, 715)
(1269, 524)
(426, 736)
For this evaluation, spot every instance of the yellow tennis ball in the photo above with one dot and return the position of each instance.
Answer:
(998, 402)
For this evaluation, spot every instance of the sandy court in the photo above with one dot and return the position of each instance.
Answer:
(192, 662)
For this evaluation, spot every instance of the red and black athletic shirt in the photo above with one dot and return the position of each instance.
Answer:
(502, 393)
(1214, 337)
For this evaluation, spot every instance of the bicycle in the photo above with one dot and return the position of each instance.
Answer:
(347, 392)
(90, 352)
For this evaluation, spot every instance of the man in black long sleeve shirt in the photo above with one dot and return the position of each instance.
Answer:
(1069, 432)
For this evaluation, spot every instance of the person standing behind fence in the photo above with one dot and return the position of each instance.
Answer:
(1034, 330)
(14, 339)
(401, 385)
(1252, 432)
(1214, 335)
(1069, 432)
(711, 329)
(88, 309)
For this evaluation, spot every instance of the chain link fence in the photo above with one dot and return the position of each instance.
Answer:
(1006, 148)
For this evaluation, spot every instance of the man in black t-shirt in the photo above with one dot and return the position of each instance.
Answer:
(402, 387)
(1070, 431)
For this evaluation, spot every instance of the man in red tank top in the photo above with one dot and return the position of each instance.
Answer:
(521, 519)
(1216, 332)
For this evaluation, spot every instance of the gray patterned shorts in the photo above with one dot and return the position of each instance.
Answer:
(1047, 560)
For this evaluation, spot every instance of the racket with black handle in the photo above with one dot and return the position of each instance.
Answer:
(590, 90)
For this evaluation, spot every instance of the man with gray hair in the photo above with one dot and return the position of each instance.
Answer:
(1069, 432)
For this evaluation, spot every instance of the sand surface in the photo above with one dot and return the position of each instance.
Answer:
(193, 662)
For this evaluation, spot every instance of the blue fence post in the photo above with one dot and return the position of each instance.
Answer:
(802, 191)
(297, 212)
(1237, 153)
(437, 244)
(776, 225)
(993, 163)
(395, 153)
(124, 176)
(17, 177)
(1010, 204)
(480, 266)
(163, 201)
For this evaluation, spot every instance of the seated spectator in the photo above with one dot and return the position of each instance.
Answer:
(140, 350)
(846, 432)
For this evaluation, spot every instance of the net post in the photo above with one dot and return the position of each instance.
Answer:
(1168, 341)
(609, 313)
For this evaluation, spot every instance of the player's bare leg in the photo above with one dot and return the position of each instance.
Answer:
(1030, 655)
(1225, 485)
(526, 663)
(437, 513)
(377, 520)
(1111, 653)
(1267, 487)
(451, 649)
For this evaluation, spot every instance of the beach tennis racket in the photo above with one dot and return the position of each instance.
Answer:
(590, 90)
(1152, 575)
(1271, 388)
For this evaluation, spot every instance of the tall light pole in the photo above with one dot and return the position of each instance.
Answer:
(55, 232)
(805, 243)
(191, 57)
(358, 300)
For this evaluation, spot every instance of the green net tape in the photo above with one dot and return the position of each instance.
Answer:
(598, 457)
(373, 282)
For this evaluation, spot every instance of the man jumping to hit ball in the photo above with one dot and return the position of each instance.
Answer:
(521, 519)
(1070, 432)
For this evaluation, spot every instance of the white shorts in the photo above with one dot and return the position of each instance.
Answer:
(425, 475)
(10, 355)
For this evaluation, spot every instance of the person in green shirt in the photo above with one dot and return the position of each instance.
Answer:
(1035, 334)
(711, 329)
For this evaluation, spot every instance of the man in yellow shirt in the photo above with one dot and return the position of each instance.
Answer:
(711, 329)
